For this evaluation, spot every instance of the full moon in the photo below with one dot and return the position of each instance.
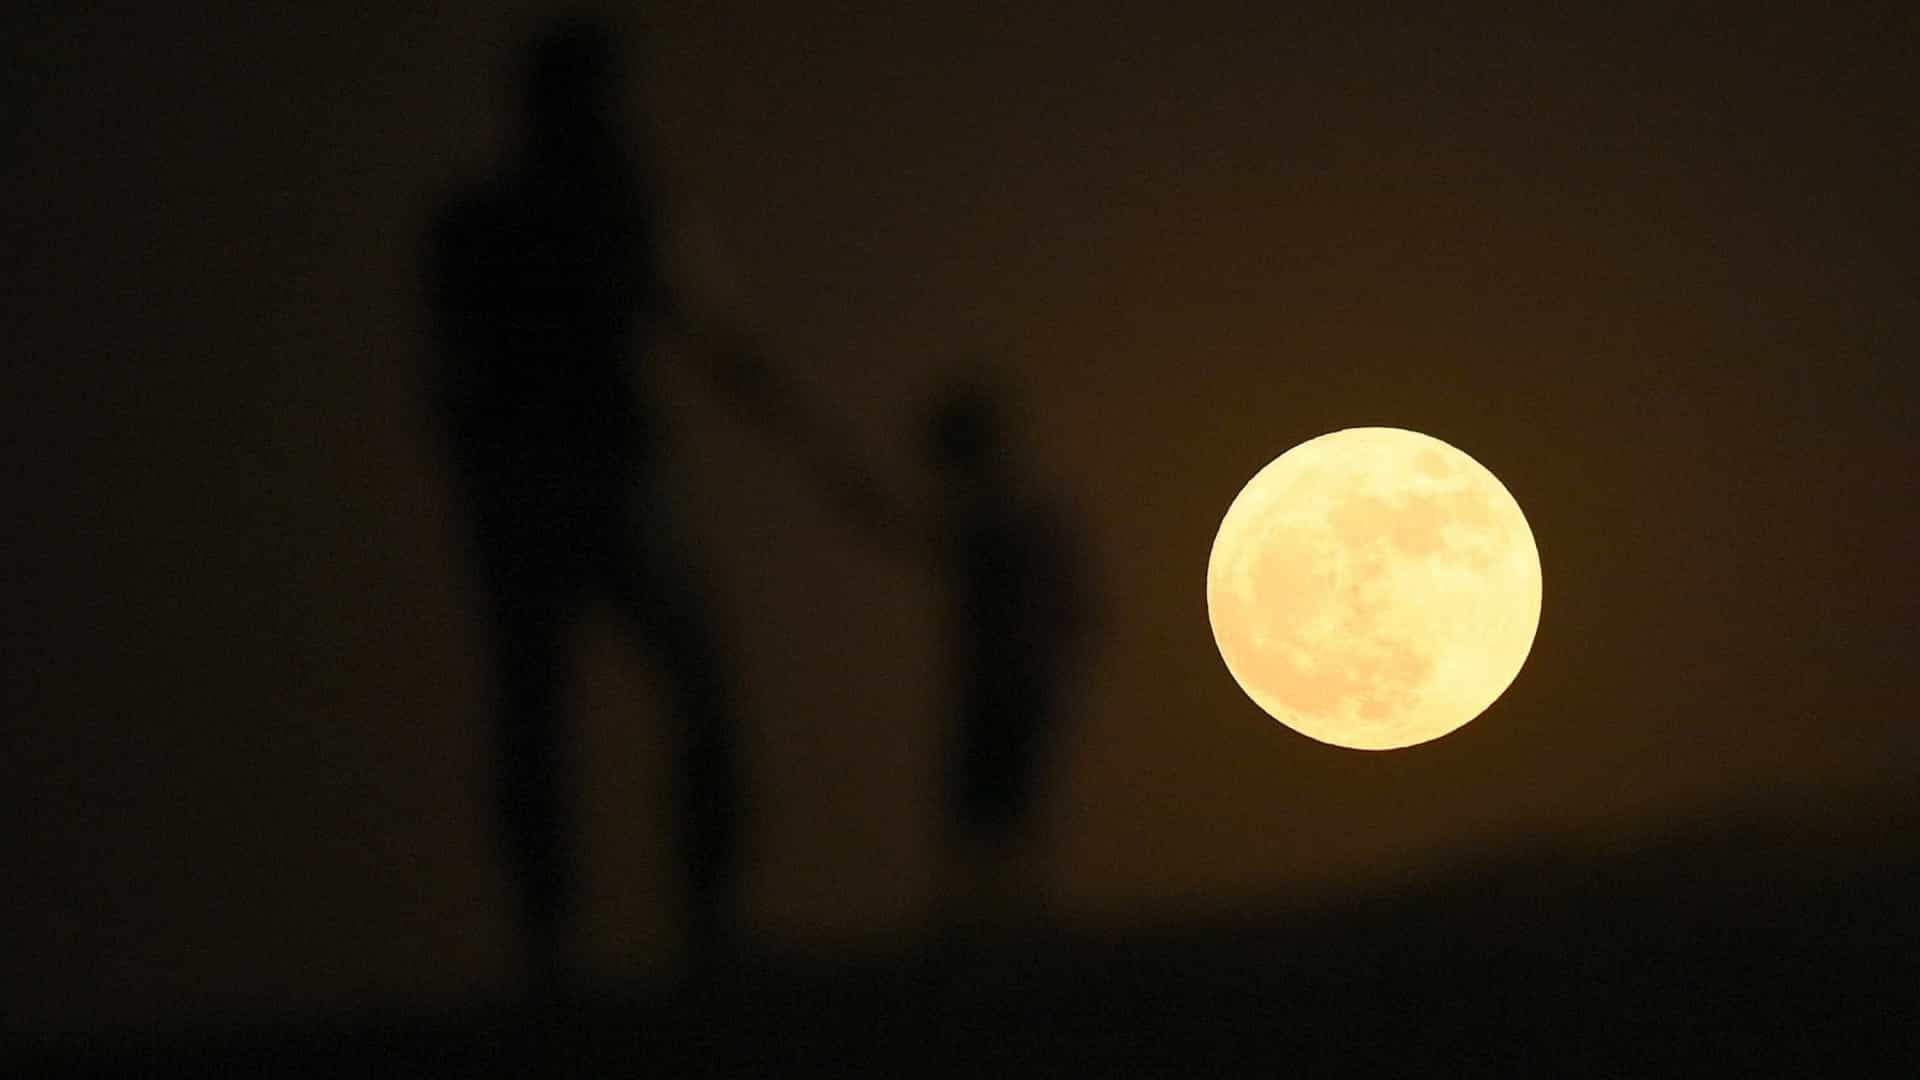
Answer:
(1374, 588)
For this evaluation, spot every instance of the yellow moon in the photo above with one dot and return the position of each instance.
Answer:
(1374, 588)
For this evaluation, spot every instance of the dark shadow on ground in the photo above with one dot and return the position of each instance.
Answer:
(1705, 954)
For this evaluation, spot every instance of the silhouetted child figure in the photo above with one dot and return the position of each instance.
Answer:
(548, 297)
(1017, 615)
(1018, 612)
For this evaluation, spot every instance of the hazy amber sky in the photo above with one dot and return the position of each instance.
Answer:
(1654, 269)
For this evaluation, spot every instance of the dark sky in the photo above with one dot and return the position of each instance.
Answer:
(1655, 270)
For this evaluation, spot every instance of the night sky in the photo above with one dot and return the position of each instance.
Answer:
(1654, 270)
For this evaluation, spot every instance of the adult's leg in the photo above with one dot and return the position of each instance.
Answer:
(655, 595)
(534, 781)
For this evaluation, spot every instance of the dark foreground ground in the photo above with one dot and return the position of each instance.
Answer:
(1728, 956)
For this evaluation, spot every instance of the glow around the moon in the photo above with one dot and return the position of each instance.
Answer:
(1374, 588)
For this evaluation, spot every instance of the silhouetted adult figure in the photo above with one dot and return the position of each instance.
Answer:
(550, 303)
